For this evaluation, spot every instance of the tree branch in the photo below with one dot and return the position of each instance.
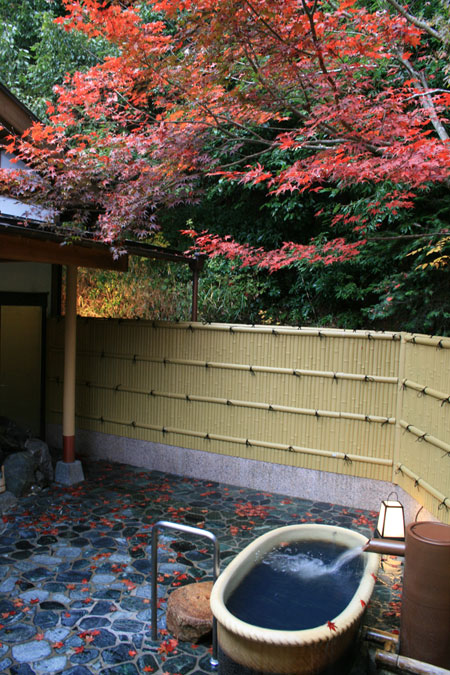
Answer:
(427, 101)
(415, 20)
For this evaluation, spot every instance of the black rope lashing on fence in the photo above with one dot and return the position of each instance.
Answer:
(191, 328)
(446, 453)
(248, 444)
(421, 438)
(151, 392)
(422, 392)
(440, 345)
(135, 358)
(295, 373)
(87, 384)
(271, 408)
(133, 424)
(206, 364)
(316, 414)
(165, 361)
(274, 332)
(320, 334)
(399, 469)
(229, 402)
(207, 437)
(443, 504)
(188, 398)
(291, 449)
(335, 377)
(445, 400)
(347, 459)
(413, 339)
(100, 419)
(367, 418)
(386, 421)
(417, 483)
(368, 378)
(164, 430)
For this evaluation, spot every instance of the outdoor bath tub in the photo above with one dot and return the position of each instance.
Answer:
(247, 648)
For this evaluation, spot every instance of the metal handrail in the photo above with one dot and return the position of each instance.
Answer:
(216, 571)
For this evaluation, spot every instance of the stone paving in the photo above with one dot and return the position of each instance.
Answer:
(75, 569)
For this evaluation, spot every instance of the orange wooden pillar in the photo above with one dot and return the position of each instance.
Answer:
(69, 471)
(70, 352)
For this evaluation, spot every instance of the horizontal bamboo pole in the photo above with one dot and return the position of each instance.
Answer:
(243, 404)
(262, 329)
(425, 390)
(429, 341)
(241, 441)
(297, 372)
(420, 482)
(424, 436)
(405, 664)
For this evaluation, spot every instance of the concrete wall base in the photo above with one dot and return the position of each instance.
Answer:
(324, 486)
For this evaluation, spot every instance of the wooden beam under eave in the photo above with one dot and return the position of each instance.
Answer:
(27, 249)
(13, 114)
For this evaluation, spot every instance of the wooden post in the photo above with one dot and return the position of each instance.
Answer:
(196, 266)
(70, 346)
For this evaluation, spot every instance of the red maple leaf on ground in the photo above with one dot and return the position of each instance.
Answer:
(168, 646)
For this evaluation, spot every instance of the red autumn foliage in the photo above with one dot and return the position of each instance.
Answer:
(236, 80)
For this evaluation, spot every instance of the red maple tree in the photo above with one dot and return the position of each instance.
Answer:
(195, 87)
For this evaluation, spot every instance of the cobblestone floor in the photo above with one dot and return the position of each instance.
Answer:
(75, 567)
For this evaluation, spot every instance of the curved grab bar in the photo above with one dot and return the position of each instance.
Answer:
(216, 571)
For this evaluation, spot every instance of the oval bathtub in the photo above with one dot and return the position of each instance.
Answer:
(247, 648)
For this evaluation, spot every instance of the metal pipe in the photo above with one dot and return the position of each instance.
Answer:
(216, 571)
(387, 546)
(408, 665)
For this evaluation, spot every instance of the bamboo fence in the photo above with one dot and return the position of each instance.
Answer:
(359, 403)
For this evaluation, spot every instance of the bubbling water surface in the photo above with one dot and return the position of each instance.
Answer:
(306, 565)
(299, 585)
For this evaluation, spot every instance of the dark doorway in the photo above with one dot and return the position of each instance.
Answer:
(22, 359)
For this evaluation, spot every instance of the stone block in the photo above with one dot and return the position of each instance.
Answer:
(69, 473)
